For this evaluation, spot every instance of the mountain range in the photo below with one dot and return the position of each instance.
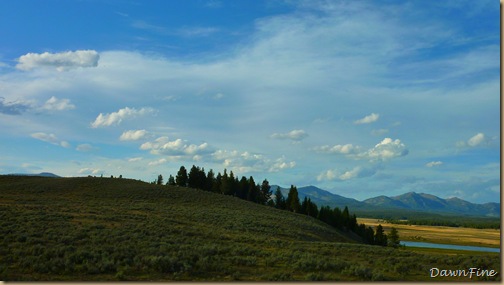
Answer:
(42, 174)
(411, 201)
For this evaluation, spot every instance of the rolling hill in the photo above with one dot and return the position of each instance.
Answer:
(103, 229)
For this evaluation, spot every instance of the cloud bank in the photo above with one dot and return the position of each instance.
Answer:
(60, 61)
(368, 119)
(116, 118)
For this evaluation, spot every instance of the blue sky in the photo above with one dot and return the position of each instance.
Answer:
(361, 98)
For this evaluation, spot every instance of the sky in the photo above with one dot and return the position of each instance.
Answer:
(360, 98)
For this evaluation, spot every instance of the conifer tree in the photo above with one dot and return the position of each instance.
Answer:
(265, 193)
(159, 180)
(293, 200)
(279, 199)
(253, 191)
(393, 238)
(171, 181)
(217, 183)
(192, 179)
(242, 189)
(380, 237)
(210, 178)
(181, 178)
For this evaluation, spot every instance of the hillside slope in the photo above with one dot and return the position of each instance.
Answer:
(100, 229)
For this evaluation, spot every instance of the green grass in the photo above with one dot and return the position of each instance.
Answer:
(99, 229)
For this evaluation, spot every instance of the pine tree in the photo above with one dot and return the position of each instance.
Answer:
(279, 199)
(216, 186)
(380, 237)
(265, 193)
(210, 179)
(312, 209)
(253, 191)
(192, 179)
(181, 178)
(242, 189)
(393, 238)
(159, 180)
(293, 200)
(171, 181)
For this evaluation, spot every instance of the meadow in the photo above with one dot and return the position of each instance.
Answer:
(105, 229)
(439, 234)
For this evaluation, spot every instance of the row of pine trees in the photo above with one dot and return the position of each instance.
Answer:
(247, 189)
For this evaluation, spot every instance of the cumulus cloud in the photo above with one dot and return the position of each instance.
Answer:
(356, 172)
(248, 162)
(280, 164)
(61, 61)
(476, 139)
(337, 149)
(158, 162)
(90, 171)
(434, 163)
(295, 135)
(84, 147)
(385, 150)
(55, 104)
(132, 135)
(178, 147)
(242, 161)
(12, 108)
(367, 119)
(116, 118)
(50, 138)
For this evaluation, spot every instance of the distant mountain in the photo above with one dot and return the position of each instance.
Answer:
(430, 203)
(322, 197)
(42, 174)
(411, 201)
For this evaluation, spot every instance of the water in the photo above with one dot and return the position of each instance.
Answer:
(449, 246)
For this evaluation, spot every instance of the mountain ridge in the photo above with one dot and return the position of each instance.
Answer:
(410, 201)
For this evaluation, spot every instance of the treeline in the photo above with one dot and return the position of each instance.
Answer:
(247, 189)
(456, 222)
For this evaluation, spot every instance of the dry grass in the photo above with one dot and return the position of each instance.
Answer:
(436, 234)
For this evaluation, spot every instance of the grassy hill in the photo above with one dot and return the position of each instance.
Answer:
(84, 229)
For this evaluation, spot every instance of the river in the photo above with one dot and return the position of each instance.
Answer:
(449, 246)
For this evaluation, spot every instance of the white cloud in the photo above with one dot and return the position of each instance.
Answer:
(50, 138)
(13, 108)
(55, 104)
(116, 118)
(356, 172)
(338, 149)
(476, 139)
(280, 164)
(90, 171)
(132, 135)
(84, 147)
(368, 119)
(178, 147)
(434, 163)
(134, 159)
(61, 61)
(385, 150)
(295, 135)
(158, 162)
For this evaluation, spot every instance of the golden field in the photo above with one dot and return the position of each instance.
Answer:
(438, 234)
